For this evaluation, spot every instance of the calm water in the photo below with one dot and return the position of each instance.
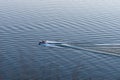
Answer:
(24, 22)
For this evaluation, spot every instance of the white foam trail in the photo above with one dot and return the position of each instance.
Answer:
(109, 44)
(53, 42)
(62, 45)
(50, 45)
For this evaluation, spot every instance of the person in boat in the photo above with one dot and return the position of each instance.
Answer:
(42, 42)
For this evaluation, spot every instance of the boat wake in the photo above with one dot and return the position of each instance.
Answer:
(66, 45)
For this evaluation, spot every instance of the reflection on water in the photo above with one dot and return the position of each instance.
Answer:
(24, 23)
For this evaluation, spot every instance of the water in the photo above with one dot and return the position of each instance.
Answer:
(24, 23)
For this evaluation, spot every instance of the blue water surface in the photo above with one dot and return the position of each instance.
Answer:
(24, 22)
